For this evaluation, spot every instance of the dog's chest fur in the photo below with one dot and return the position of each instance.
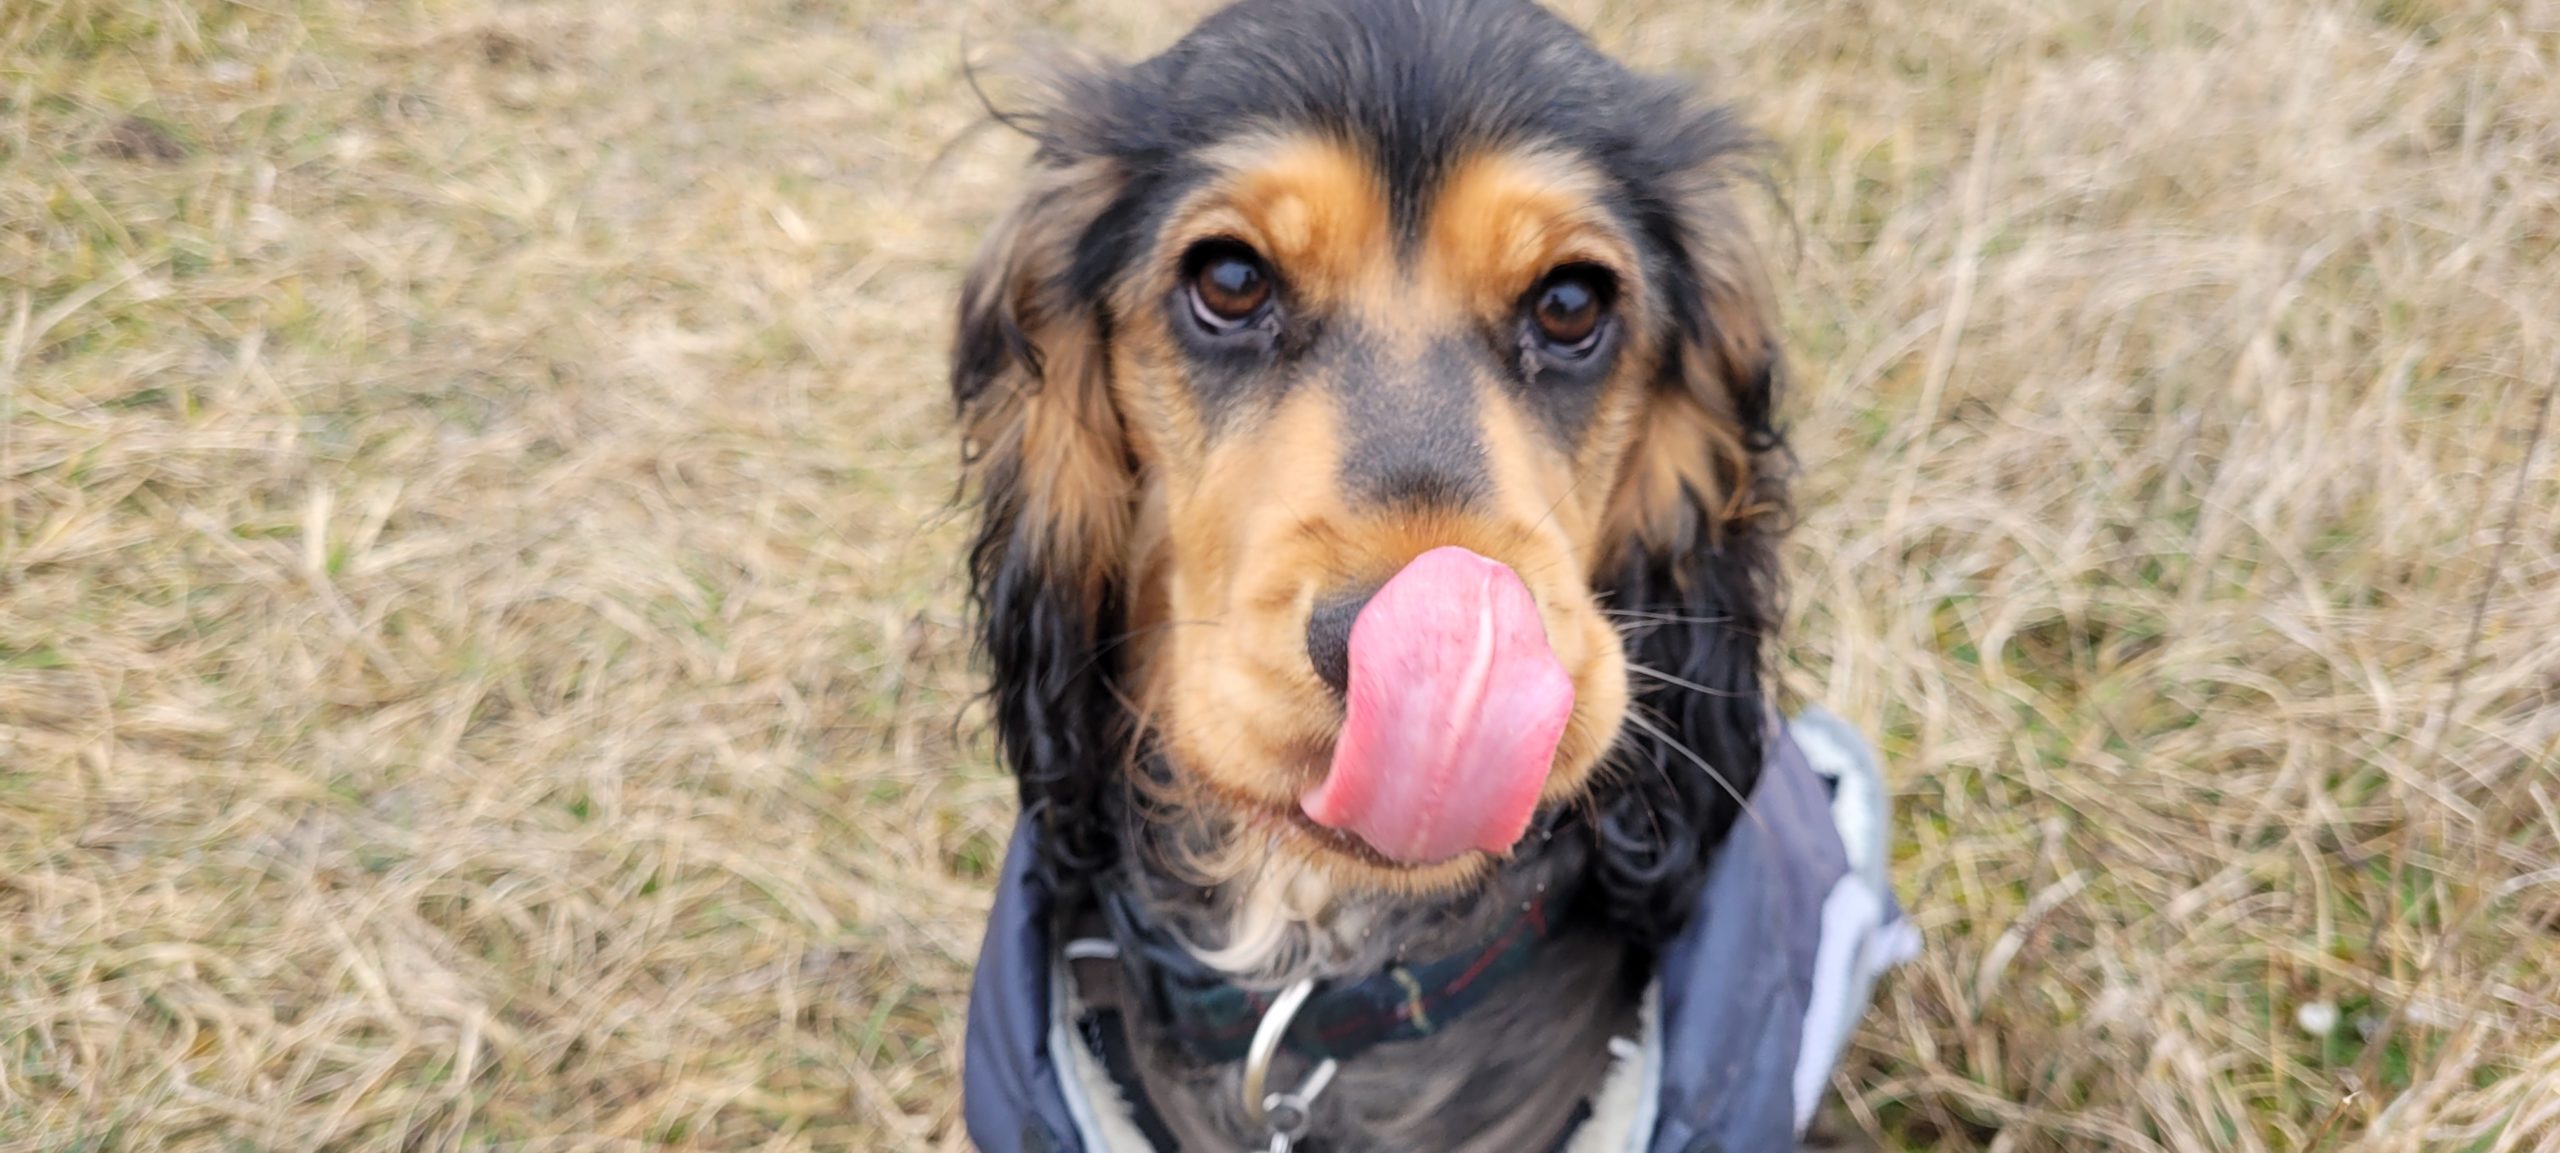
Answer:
(1508, 1075)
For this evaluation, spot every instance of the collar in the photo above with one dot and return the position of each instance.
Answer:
(1215, 1018)
(1754, 1000)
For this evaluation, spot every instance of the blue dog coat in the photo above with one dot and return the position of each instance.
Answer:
(1750, 1007)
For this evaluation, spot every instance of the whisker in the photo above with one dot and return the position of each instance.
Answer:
(1104, 648)
(1569, 490)
(1637, 719)
(1676, 618)
(1692, 686)
(1142, 630)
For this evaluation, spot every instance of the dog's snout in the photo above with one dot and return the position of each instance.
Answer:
(1329, 636)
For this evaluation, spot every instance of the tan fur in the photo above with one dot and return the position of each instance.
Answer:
(1058, 428)
(1311, 207)
(1687, 446)
(1505, 219)
(1682, 449)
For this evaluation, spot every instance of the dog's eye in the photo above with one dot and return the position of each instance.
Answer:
(1229, 286)
(1568, 306)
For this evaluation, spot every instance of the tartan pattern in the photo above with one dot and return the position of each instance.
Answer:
(1216, 1019)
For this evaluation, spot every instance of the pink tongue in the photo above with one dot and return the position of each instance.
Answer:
(1455, 708)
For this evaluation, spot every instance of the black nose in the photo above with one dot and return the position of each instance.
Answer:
(1329, 636)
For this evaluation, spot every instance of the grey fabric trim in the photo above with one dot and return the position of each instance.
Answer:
(1862, 933)
(1622, 1112)
(1101, 1113)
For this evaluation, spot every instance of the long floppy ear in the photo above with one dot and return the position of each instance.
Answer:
(1047, 458)
(1694, 525)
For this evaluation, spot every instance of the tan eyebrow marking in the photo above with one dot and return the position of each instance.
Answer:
(1506, 217)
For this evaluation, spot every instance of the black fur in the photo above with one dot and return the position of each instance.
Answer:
(1059, 718)
(1702, 613)
(1058, 713)
(1417, 84)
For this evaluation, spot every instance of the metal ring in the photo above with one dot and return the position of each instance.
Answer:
(1298, 1107)
(1266, 1044)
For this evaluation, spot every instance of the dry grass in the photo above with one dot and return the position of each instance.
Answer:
(478, 625)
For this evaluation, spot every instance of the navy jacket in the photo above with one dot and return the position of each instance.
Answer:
(1755, 1000)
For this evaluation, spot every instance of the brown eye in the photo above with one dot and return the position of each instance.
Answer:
(1229, 286)
(1568, 308)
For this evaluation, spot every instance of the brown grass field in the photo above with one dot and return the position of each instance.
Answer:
(481, 660)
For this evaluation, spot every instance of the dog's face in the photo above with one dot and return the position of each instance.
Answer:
(1301, 310)
(1315, 397)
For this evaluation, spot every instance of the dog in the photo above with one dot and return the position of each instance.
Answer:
(1369, 413)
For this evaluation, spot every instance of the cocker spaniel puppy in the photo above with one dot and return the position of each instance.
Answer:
(1368, 408)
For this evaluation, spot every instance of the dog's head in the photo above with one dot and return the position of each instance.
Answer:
(1369, 406)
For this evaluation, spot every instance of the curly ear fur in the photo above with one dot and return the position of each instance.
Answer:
(1048, 459)
(1695, 523)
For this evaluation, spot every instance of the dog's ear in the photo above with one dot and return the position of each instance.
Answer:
(1693, 526)
(1046, 455)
